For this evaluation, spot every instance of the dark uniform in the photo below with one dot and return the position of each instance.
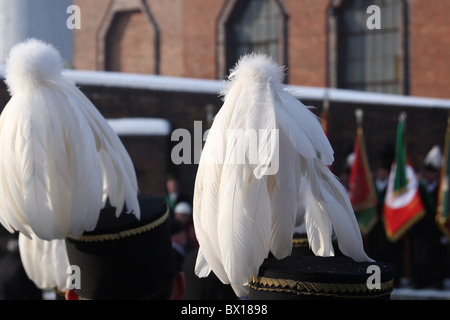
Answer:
(427, 252)
(379, 247)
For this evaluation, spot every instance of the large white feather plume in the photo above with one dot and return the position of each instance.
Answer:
(248, 192)
(59, 159)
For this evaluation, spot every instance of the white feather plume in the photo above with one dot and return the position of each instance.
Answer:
(244, 209)
(45, 262)
(59, 158)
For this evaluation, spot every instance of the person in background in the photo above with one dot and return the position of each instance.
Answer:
(183, 213)
(379, 247)
(344, 175)
(173, 195)
(427, 252)
(378, 243)
(186, 236)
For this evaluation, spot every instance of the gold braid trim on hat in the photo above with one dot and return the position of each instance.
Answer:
(125, 233)
(300, 242)
(339, 290)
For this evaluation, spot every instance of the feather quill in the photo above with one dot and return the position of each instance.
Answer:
(244, 209)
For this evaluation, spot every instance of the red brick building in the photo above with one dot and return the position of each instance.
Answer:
(322, 42)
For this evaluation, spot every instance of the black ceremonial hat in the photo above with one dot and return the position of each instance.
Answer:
(313, 278)
(304, 276)
(125, 258)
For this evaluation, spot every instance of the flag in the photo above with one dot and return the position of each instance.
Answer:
(443, 204)
(402, 205)
(361, 187)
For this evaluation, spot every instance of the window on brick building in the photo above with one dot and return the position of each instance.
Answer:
(129, 45)
(370, 59)
(251, 26)
(128, 39)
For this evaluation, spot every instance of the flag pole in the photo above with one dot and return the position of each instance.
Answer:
(359, 116)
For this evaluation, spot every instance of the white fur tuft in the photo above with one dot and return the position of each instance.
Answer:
(257, 66)
(31, 63)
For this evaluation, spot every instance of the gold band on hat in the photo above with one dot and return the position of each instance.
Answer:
(300, 242)
(125, 233)
(338, 290)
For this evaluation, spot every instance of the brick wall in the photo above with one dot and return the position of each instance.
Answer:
(84, 43)
(430, 48)
(199, 38)
(188, 32)
(188, 39)
(307, 36)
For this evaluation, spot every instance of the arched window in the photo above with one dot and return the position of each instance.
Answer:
(251, 26)
(369, 59)
(119, 47)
